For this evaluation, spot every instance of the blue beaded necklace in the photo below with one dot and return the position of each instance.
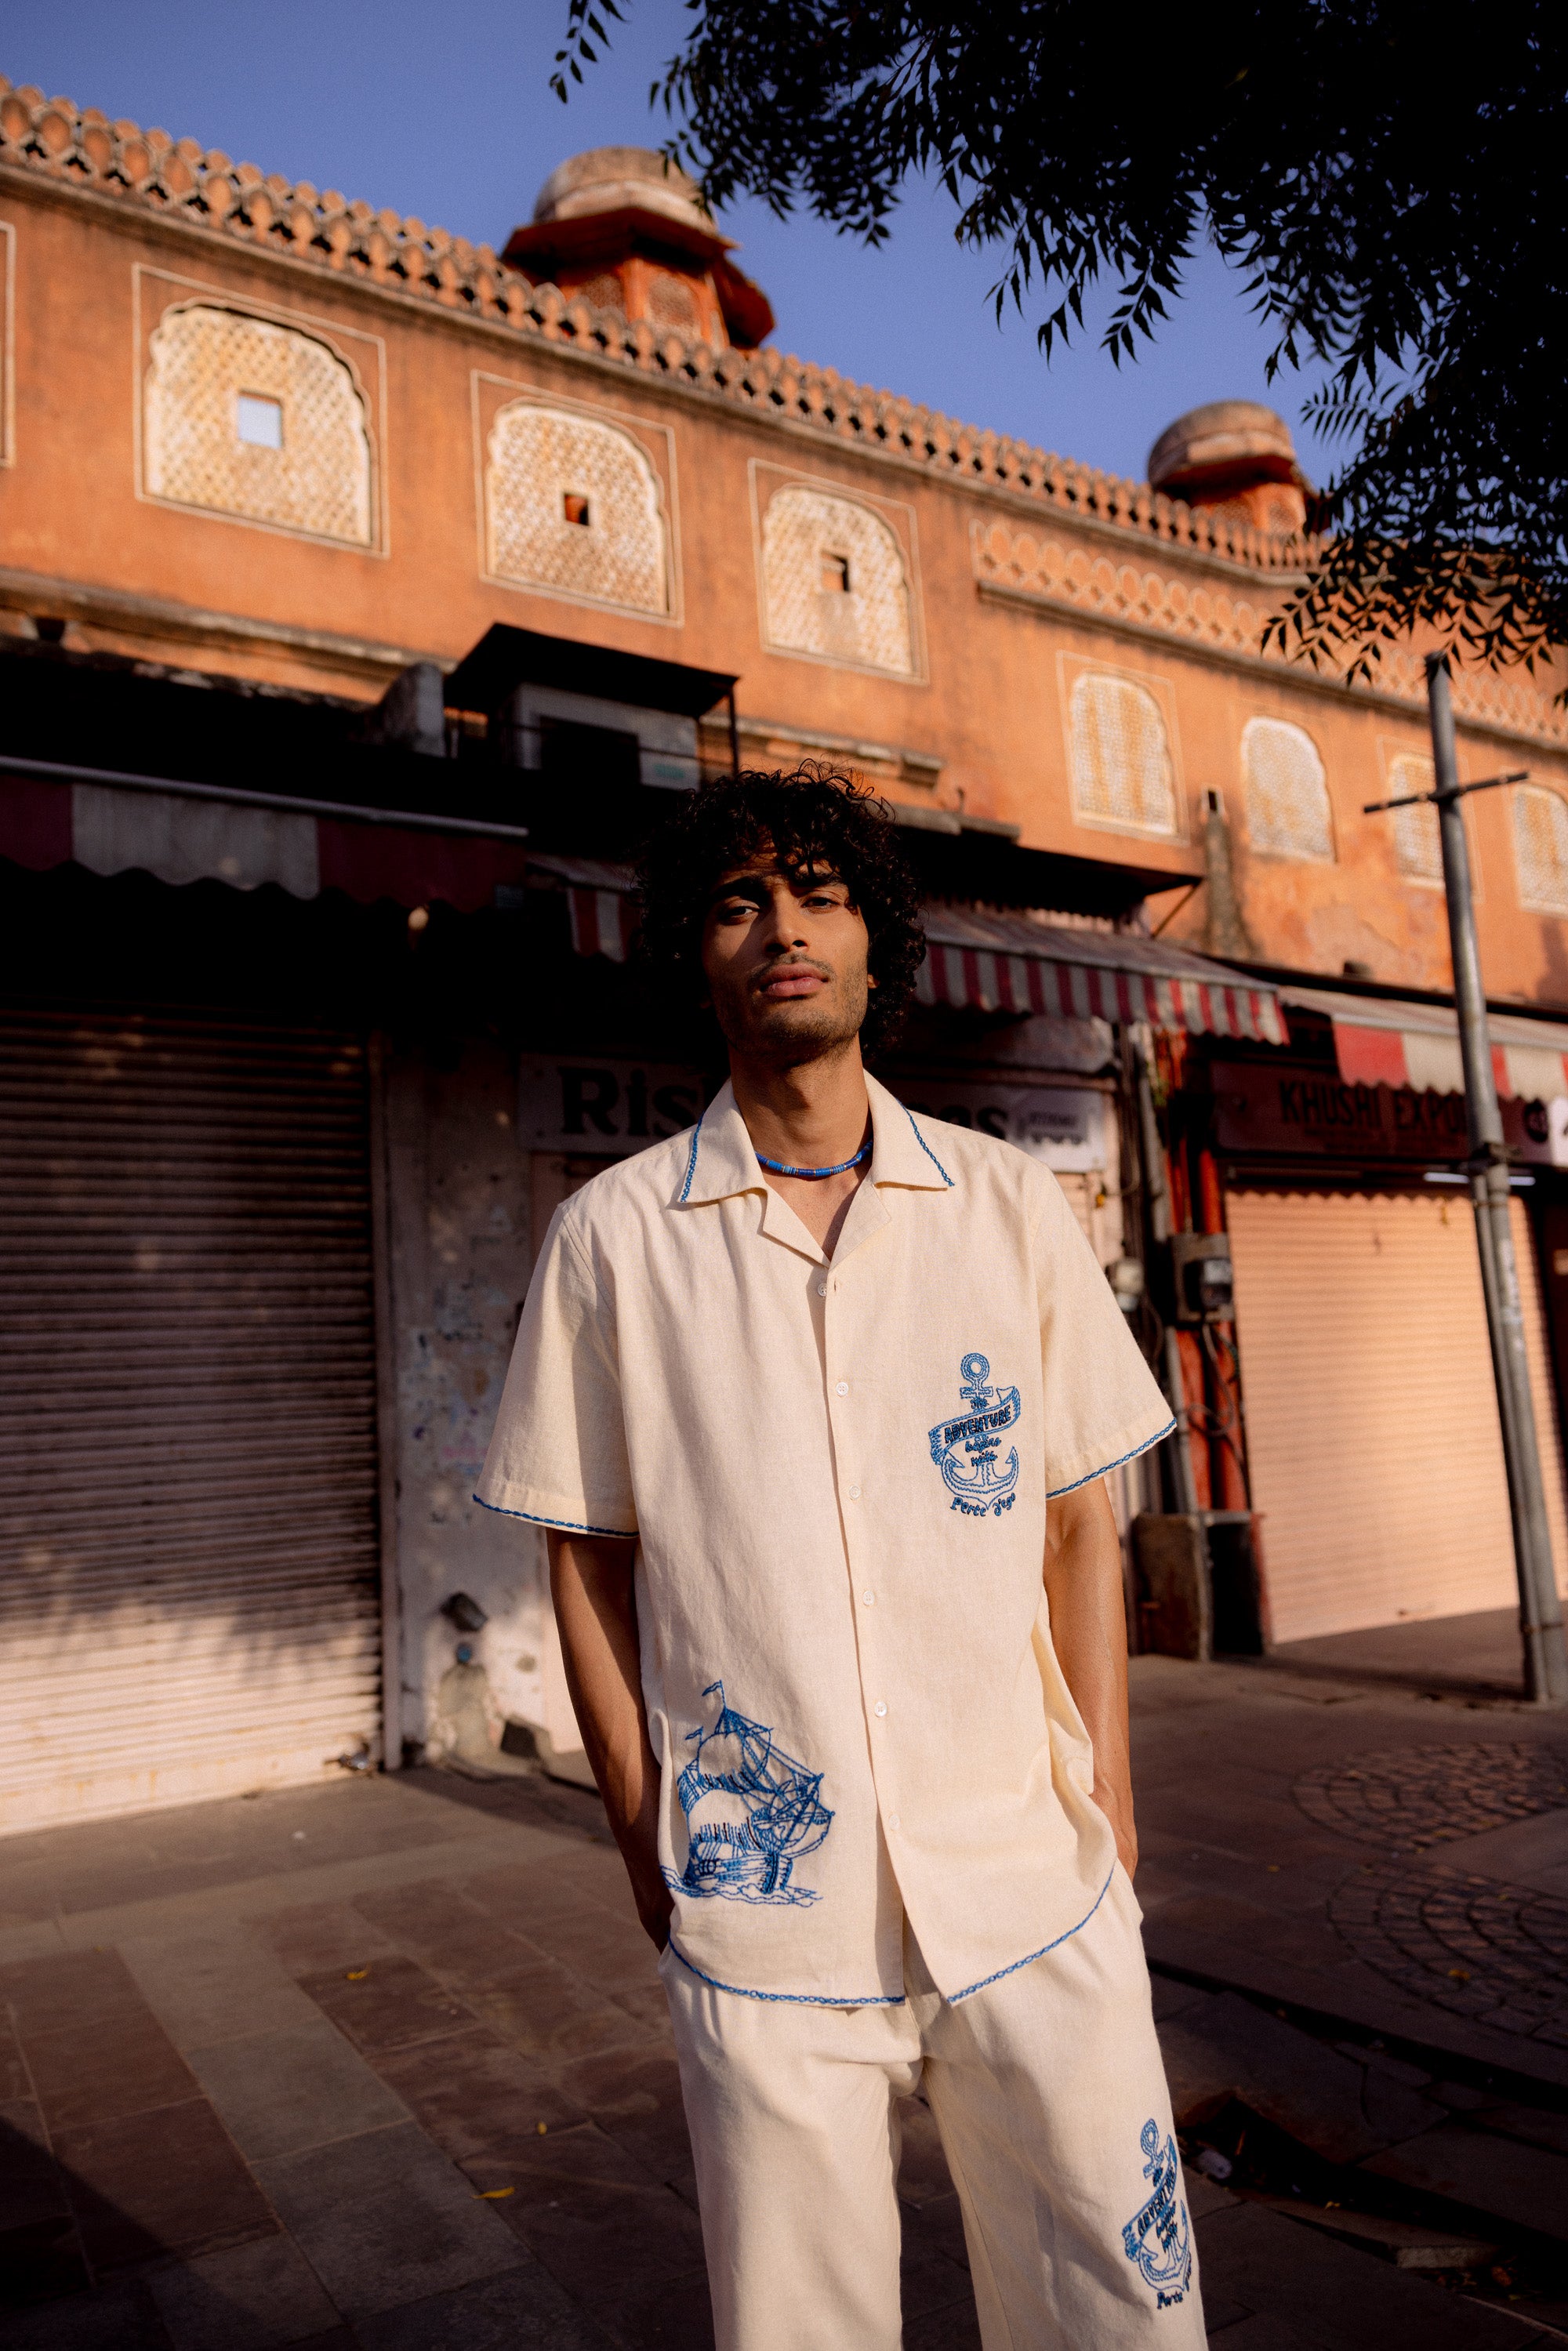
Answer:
(777, 1166)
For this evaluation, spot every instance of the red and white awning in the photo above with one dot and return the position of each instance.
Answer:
(1380, 1041)
(1011, 963)
(199, 833)
(999, 962)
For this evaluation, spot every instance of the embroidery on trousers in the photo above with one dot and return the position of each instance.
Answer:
(981, 1489)
(1157, 2237)
(752, 1812)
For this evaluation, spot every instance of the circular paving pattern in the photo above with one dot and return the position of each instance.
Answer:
(1496, 1953)
(1409, 1799)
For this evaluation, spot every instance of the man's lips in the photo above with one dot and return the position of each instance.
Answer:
(794, 982)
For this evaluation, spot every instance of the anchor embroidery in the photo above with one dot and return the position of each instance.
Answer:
(752, 1811)
(983, 1488)
(1157, 2237)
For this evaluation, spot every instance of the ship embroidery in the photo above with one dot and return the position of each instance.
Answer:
(966, 1449)
(752, 1812)
(1157, 2237)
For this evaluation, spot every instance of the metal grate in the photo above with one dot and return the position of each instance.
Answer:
(188, 1561)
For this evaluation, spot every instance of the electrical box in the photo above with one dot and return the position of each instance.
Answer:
(1200, 1263)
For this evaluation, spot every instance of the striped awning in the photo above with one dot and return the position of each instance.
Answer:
(999, 962)
(1013, 963)
(179, 832)
(1380, 1041)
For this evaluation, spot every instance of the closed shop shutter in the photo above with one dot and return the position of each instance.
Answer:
(1371, 1424)
(189, 1585)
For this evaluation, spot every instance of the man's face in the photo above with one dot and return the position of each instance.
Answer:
(784, 955)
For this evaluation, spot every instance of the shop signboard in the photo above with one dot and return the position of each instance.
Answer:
(1305, 1112)
(1066, 1127)
(592, 1107)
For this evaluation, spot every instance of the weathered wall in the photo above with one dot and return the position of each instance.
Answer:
(459, 1219)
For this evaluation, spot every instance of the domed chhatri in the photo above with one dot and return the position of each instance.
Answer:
(1235, 457)
(626, 227)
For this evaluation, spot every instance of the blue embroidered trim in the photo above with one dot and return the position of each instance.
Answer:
(970, 1988)
(1158, 1438)
(691, 1158)
(793, 1999)
(569, 1526)
(925, 1146)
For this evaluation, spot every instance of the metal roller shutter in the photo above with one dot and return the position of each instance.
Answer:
(189, 1586)
(1372, 1426)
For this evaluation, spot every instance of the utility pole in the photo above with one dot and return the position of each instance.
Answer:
(1540, 1610)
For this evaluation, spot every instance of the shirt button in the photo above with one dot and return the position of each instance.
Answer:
(893, 1822)
(881, 1707)
(821, 1289)
(868, 1600)
(854, 1493)
(842, 1388)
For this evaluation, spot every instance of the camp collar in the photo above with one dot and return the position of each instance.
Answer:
(722, 1161)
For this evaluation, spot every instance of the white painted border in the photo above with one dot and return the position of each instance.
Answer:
(1283, 856)
(641, 429)
(885, 510)
(322, 330)
(1070, 668)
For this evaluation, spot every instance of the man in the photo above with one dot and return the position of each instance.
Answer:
(791, 1394)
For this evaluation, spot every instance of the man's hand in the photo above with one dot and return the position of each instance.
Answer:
(596, 1609)
(1089, 1631)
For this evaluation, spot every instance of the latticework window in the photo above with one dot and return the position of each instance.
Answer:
(1287, 794)
(833, 582)
(243, 417)
(1540, 850)
(1122, 771)
(573, 504)
(1418, 837)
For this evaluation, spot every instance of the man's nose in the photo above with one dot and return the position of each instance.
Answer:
(781, 925)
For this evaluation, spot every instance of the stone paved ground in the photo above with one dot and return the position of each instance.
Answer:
(383, 2065)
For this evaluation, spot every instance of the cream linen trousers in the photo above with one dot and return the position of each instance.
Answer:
(1049, 2094)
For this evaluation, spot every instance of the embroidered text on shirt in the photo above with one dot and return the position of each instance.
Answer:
(752, 1811)
(1157, 2237)
(982, 1490)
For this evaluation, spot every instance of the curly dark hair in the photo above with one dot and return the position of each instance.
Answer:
(815, 817)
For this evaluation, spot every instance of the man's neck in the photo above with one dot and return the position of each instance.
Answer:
(811, 1113)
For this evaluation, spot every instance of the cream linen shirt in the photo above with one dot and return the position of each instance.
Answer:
(836, 1475)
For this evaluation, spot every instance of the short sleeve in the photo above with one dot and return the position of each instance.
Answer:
(557, 1455)
(1103, 1404)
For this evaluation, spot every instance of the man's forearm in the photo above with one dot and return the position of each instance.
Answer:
(596, 1611)
(1089, 1631)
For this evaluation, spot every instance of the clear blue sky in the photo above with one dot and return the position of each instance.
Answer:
(446, 112)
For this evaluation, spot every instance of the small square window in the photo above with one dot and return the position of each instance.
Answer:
(835, 575)
(574, 506)
(259, 420)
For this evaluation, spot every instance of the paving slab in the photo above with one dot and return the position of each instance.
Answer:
(1524, 2185)
(1333, 2298)
(255, 2297)
(117, 2318)
(523, 2311)
(278, 2092)
(1229, 2048)
(213, 1985)
(384, 2219)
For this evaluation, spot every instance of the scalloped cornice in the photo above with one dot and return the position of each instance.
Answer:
(1218, 617)
(79, 149)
